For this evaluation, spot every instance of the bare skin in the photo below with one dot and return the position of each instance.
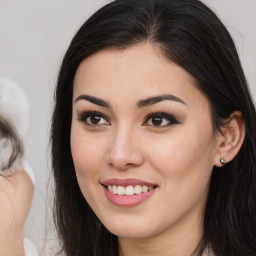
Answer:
(16, 191)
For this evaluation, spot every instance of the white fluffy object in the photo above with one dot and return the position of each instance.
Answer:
(14, 106)
(29, 248)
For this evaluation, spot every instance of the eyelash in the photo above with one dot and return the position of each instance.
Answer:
(83, 116)
(162, 115)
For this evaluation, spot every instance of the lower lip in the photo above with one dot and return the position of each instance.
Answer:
(127, 201)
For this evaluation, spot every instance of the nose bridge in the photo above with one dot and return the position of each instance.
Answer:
(124, 150)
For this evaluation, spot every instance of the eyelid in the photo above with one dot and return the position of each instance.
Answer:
(85, 114)
(170, 117)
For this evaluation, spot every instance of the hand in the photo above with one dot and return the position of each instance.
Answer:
(16, 192)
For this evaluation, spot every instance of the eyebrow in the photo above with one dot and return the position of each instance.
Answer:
(140, 104)
(93, 100)
(156, 99)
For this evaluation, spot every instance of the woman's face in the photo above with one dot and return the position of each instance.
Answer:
(142, 142)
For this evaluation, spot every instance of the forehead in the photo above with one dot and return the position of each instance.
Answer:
(134, 73)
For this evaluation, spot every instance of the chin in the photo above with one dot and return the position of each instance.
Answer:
(130, 234)
(130, 230)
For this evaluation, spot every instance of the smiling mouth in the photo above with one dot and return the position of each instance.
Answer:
(129, 190)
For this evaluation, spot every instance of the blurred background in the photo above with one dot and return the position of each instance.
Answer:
(33, 38)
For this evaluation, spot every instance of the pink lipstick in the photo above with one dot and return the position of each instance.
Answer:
(128, 192)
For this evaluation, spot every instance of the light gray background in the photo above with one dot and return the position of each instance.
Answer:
(33, 38)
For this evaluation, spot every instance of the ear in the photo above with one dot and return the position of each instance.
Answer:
(231, 139)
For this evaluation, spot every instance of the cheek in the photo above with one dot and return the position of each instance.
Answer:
(184, 159)
(185, 165)
(86, 153)
(87, 158)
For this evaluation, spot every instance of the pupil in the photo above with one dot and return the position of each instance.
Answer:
(95, 119)
(157, 121)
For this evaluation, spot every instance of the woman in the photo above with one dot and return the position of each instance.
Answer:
(153, 135)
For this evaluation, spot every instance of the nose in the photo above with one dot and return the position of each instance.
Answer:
(124, 150)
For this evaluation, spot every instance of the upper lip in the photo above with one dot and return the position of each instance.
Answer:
(127, 182)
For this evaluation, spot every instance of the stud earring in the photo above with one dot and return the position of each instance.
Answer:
(222, 160)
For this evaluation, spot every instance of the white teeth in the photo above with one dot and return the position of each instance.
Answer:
(129, 190)
(110, 188)
(138, 189)
(144, 189)
(120, 190)
(115, 189)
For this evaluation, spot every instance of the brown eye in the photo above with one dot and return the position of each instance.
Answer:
(160, 119)
(93, 119)
(157, 121)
